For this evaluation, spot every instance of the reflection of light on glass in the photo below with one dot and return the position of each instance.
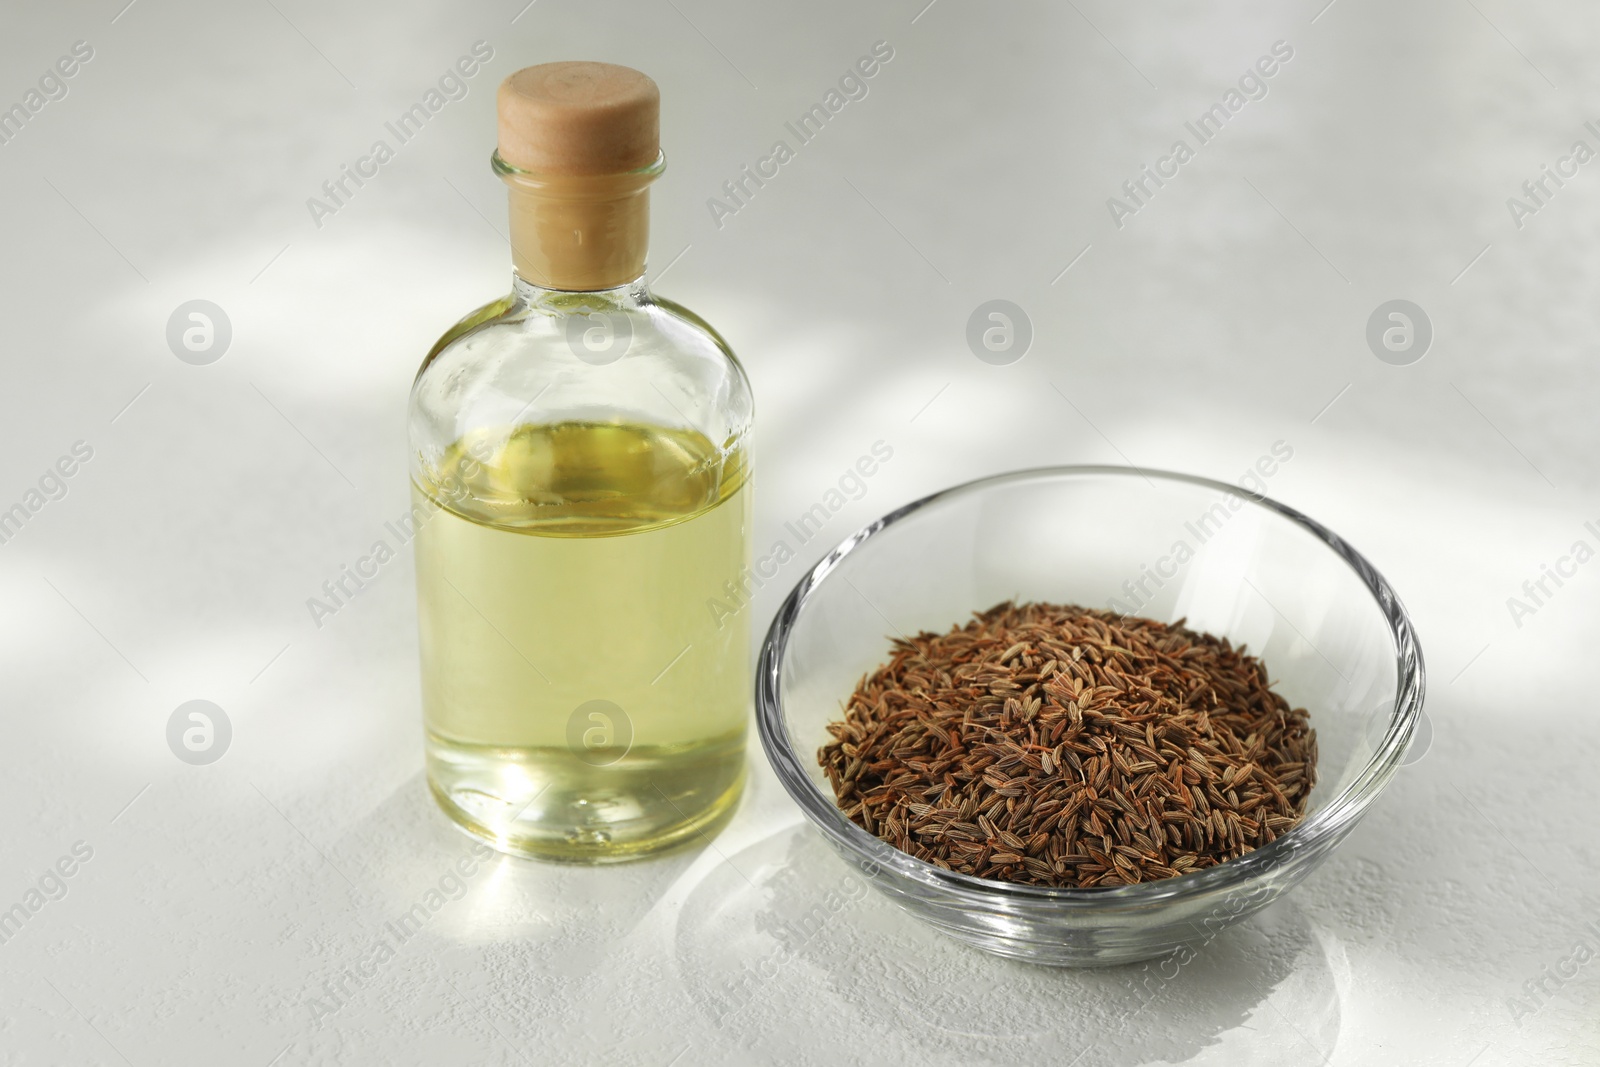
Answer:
(1215, 597)
(493, 898)
(514, 781)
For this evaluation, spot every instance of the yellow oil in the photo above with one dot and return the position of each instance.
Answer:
(582, 700)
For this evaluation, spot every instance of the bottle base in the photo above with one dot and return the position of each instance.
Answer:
(550, 804)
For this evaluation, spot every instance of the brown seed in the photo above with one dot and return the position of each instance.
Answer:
(1138, 750)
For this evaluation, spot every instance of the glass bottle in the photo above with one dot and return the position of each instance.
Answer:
(580, 476)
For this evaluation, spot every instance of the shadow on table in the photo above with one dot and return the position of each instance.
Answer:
(786, 943)
(427, 875)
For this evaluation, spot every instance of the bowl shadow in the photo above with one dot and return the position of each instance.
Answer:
(787, 941)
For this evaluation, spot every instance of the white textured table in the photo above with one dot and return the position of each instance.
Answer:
(232, 913)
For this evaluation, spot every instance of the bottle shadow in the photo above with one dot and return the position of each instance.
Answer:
(428, 876)
(786, 939)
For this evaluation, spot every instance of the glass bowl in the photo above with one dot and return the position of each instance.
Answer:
(1234, 563)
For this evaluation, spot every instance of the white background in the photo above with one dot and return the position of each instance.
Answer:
(1227, 314)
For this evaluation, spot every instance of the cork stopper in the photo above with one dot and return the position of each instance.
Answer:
(579, 145)
(579, 118)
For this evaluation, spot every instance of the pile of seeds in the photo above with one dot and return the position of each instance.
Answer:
(1061, 746)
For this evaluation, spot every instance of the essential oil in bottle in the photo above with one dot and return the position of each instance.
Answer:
(579, 464)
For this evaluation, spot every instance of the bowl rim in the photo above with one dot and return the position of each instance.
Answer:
(1315, 832)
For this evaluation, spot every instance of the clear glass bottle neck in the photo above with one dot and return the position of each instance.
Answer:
(631, 295)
